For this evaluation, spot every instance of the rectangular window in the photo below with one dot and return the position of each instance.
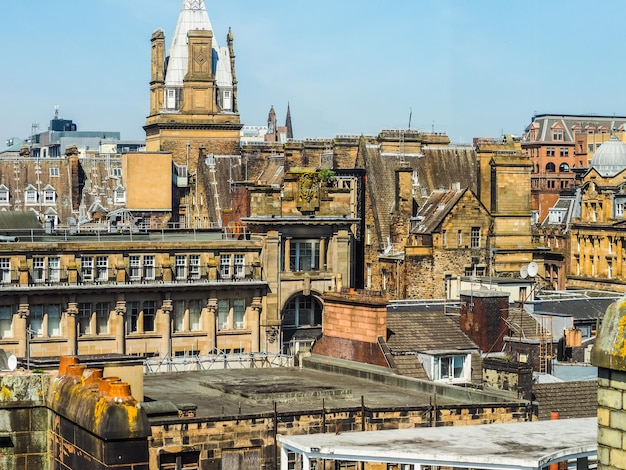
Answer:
(449, 367)
(239, 267)
(304, 255)
(590, 148)
(134, 265)
(4, 197)
(6, 319)
(459, 238)
(225, 266)
(103, 312)
(178, 315)
(39, 273)
(54, 172)
(475, 237)
(239, 311)
(54, 269)
(85, 310)
(132, 310)
(102, 268)
(148, 267)
(181, 267)
(54, 320)
(35, 319)
(5, 270)
(550, 151)
(368, 282)
(223, 310)
(195, 310)
(564, 152)
(444, 238)
(194, 266)
(149, 311)
(30, 197)
(49, 196)
(87, 268)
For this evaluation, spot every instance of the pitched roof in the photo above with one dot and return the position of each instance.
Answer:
(19, 220)
(571, 399)
(434, 210)
(425, 331)
(546, 122)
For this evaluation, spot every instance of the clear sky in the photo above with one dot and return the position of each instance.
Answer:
(468, 68)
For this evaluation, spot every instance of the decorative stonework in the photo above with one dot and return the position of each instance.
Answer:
(308, 192)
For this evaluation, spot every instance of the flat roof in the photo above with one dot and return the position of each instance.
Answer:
(527, 445)
(233, 392)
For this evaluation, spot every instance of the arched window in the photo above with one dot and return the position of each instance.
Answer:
(301, 312)
(550, 168)
(563, 167)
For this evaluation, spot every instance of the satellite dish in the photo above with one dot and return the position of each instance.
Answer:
(12, 362)
(533, 269)
(523, 272)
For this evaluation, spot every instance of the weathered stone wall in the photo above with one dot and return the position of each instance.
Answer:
(24, 421)
(253, 436)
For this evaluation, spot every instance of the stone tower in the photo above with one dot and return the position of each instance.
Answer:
(193, 110)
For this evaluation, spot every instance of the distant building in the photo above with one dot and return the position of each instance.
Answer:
(561, 144)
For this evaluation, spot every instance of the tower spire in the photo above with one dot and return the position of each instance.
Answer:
(288, 123)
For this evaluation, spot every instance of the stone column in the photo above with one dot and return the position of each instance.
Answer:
(119, 325)
(255, 320)
(166, 328)
(72, 336)
(287, 255)
(322, 266)
(211, 323)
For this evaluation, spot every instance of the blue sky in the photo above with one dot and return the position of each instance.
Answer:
(468, 68)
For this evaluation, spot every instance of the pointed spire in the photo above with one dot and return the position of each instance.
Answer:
(288, 123)
(193, 15)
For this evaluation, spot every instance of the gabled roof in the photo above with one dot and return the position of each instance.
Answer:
(426, 332)
(436, 208)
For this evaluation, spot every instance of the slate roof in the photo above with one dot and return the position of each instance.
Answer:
(570, 399)
(568, 121)
(18, 220)
(435, 209)
(568, 205)
(584, 308)
(439, 167)
(424, 331)
(522, 324)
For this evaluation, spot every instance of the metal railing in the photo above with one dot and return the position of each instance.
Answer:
(217, 360)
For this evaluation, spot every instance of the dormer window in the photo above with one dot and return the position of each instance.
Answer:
(49, 195)
(4, 195)
(30, 195)
(557, 134)
(555, 216)
(119, 195)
